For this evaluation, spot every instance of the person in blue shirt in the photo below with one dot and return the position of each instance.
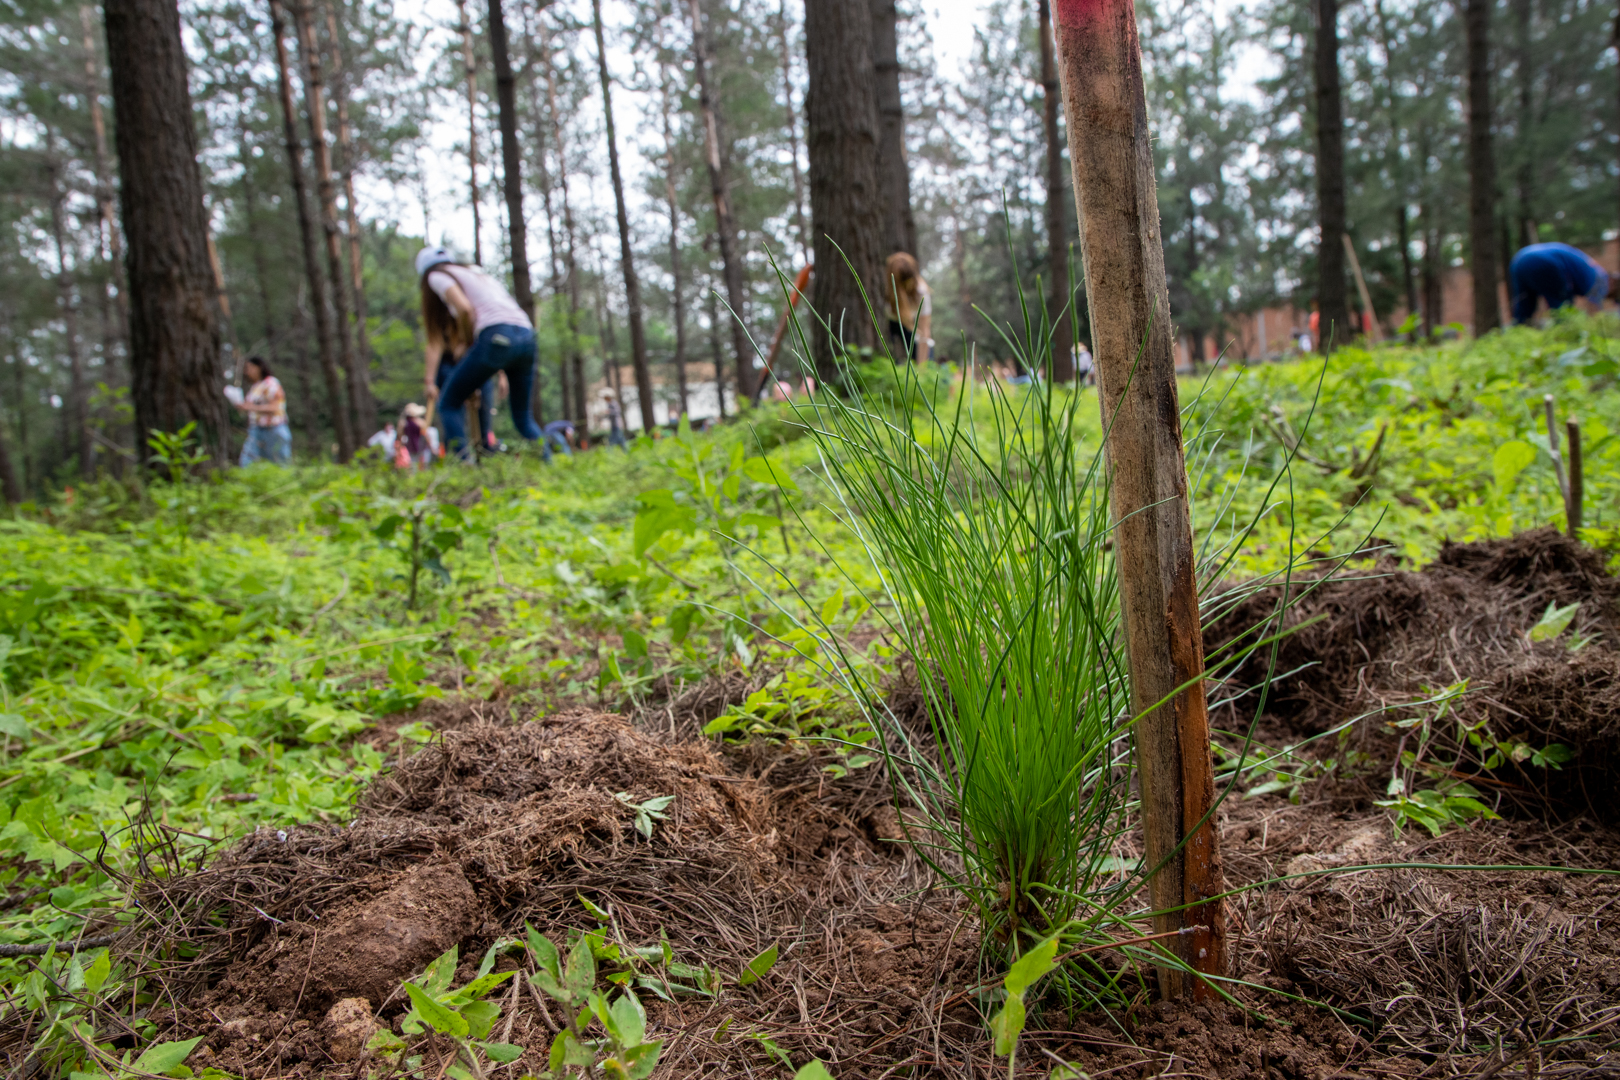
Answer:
(1556, 273)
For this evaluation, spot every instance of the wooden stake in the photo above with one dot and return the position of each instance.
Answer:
(1577, 480)
(1123, 254)
(1374, 331)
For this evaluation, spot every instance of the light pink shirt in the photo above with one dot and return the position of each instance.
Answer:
(492, 305)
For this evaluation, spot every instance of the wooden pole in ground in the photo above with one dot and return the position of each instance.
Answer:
(1577, 480)
(1112, 158)
(1374, 331)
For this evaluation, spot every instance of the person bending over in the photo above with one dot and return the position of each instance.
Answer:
(909, 306)
(1556, 273)
(465, 310)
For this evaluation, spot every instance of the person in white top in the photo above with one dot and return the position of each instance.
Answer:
(910, 307)
(384, 440)
(465, 310)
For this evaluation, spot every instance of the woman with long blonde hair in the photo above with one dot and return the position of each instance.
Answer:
(910, 307)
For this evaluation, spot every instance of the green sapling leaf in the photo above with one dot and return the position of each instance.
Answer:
(444, 1020)
(165, 1057)
(813, 1070)
(501, 1052)
(757, 967)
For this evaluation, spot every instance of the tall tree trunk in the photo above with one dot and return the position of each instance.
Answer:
(470, 62)
(250, 207)
(542, 55)
(678, 289)
(1331, 299)
(1526, 149)
(357, 384)
(1432, 298)
(801, 223)
(718, 157)
(19, 386)
(511, 160)
(321, 314)
(78, 404)
(113, 243)
(1408, 282)
(9, 487)
(714, 349)
(1481, 167)
(365, 405)
(174, 327)
(1112, 156)
(846, 203)
(894, 176)
(1057, 229)
(575, 358)
(632, 285)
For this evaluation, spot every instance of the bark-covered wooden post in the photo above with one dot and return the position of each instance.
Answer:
(1123, 254)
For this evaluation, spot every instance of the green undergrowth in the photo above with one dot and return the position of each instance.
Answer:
(187, 661)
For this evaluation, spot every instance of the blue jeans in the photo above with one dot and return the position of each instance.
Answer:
(555, 438)
(514, 354)
(486, 398)
(272, 444)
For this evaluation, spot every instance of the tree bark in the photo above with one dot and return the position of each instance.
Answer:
(678, 289)
(632, 285)
(1481, 167)
(320, 313)
(470, 62)
(511, 160)
(113, 244)
(357, 384)
(846, 202)
(1057, 230)
(1526, 149)
(1331, 296)
(894, 176)
(8, 476)
(717, 157)
(78, 404)
(174, 327)
(1112, 156)
(543, 56)
(365, 404)
(576, 358)
(800, 222)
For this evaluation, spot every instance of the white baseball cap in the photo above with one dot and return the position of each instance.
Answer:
(429, 257)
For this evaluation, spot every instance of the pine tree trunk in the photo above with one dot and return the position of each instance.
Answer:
(320, 313)
(511, 161)
(1331, 296)
(678, 289)
(106, 197)
(365, 409)
(573, 359)
(82, 444)
(1112, 155)
(1526, 149)
(470, 62)
(714, 349)
(1403, 231)
(632, 285)
(8, 476)
(718, 160)
(174, 327)
(800, 222)
(1481, 167)
(1057, 229)
(846, 203)
(357, 383)
(894, 176)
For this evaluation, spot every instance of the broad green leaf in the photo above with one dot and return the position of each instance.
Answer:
(630, 1018)
(1511, 459)
(760, 521)
(544, 952)
(480, 1017)
(764, 471)
(502, 1052)
(581, 974)
(1007, 1025)
(436, 979)
(1030, 967)
(829, 611)
(166, 1057)
(441, 1019)
(95, 976)
(813, 1070)
(640, 1061)
(481, 986)
(1554, 621)
(757, 967)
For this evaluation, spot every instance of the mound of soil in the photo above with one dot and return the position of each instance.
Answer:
(1378, 639)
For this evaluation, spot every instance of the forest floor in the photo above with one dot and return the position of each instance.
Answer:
(1408, 972)
(273, 742)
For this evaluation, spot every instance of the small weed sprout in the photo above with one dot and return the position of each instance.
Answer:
(460, 1015)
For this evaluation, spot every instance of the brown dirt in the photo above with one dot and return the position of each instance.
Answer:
(301, 936)
(1390, 636)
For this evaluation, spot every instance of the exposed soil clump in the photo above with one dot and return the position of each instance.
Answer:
(1389, 636)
